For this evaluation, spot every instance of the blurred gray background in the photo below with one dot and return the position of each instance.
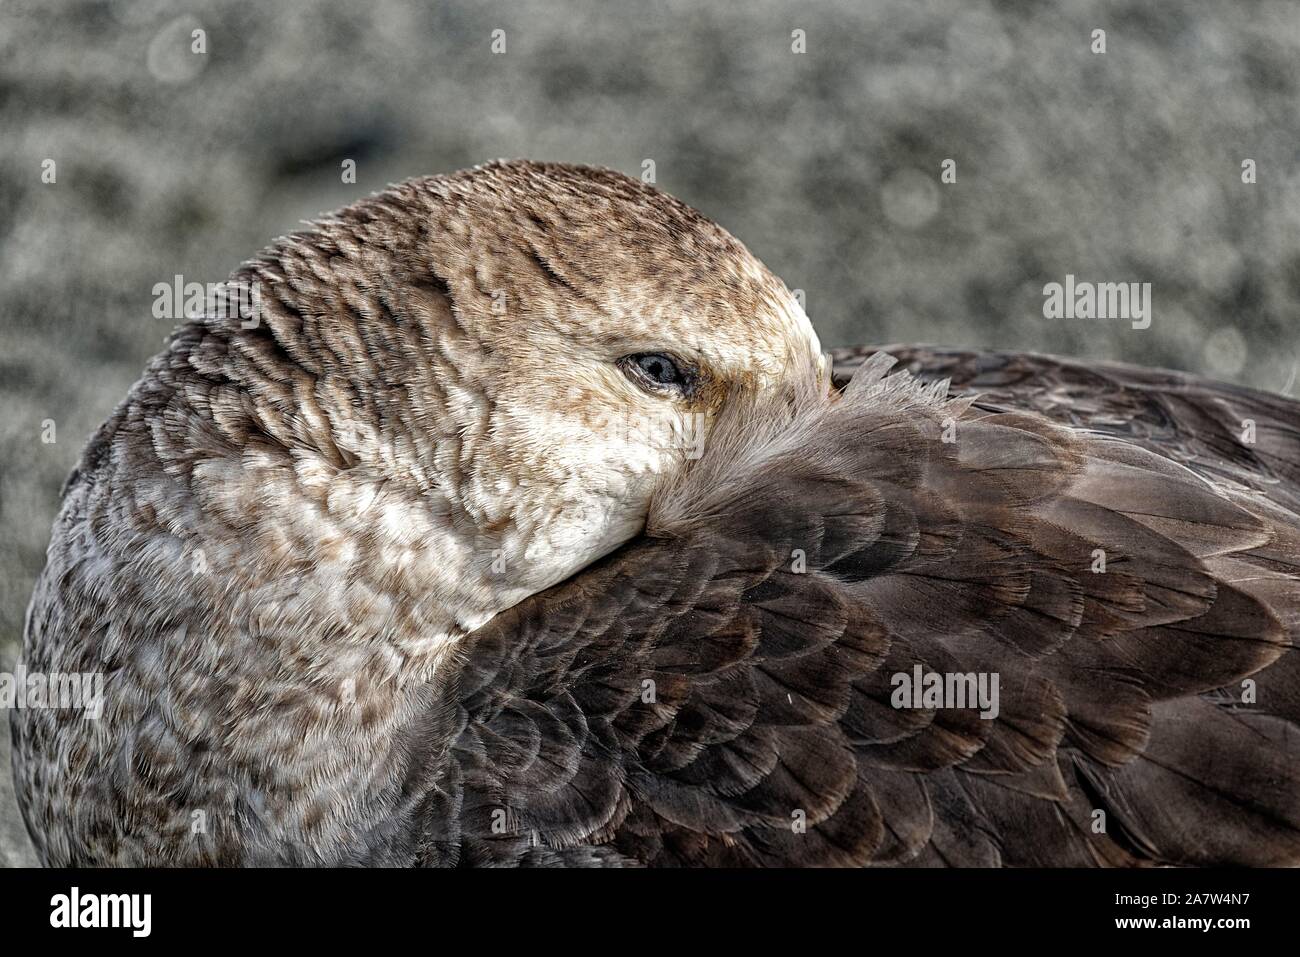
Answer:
(1123, 166)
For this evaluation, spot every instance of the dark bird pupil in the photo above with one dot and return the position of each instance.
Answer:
(658, 368)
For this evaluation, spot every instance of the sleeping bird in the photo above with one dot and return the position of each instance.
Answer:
(523, 521)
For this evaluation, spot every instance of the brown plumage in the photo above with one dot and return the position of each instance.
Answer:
(353, 679)
(1122, 690)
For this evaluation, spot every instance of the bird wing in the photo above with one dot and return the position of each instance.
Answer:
(726, 690)
(1224, 432)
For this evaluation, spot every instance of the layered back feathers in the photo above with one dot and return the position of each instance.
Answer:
(722, 692)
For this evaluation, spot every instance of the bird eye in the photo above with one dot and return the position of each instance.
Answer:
(656, 370)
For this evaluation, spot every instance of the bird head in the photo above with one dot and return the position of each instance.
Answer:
(496, 369)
